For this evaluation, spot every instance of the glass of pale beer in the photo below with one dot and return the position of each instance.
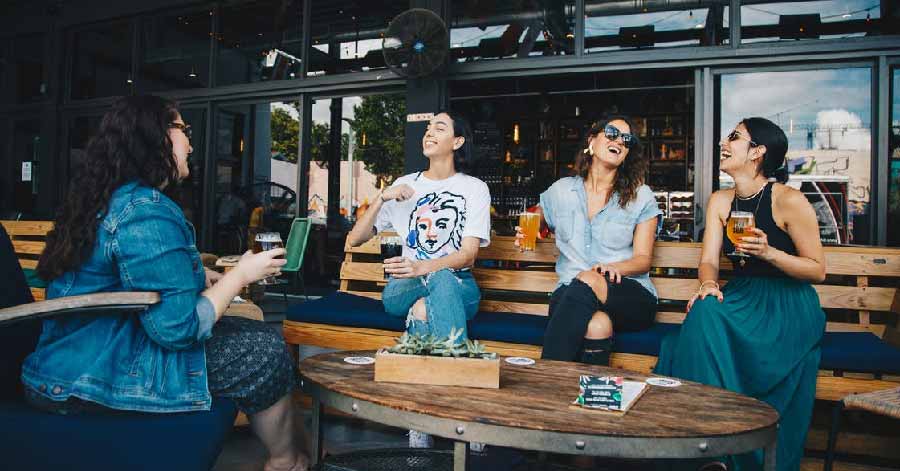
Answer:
(739, 226)
(267, 241)
(530, 224)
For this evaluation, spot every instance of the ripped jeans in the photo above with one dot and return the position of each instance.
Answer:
(451, 298)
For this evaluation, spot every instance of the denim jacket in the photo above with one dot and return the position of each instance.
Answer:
(154, 361)
(607, 238)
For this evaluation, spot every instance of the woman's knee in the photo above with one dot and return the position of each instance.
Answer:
(599, 327)
(596, 282)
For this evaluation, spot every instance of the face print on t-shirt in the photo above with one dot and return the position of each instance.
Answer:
(436, 225)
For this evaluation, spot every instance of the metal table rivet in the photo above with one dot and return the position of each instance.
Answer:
(354, 407)
(703, 446)
(460, 430)
(580, 445)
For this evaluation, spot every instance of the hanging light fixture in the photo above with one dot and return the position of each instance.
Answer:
(516, 133)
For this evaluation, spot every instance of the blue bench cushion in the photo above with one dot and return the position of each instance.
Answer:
(133, 441)
(859, 351)
(349, 310)
(847, 351)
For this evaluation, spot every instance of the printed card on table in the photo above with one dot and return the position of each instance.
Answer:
(610, 393)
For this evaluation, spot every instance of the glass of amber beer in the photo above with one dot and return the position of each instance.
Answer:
(267, 241)
(530, 224)
(739, 226)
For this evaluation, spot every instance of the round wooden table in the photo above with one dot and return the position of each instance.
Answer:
(532, 410)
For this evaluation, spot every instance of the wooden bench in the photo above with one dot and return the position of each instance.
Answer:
(29, 239)
(859, 295)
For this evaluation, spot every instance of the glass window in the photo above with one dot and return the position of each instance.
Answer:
(528, 133)
(826, 115)
(893, 220)
(28, 68)
(259, 41)
(346, 36)
(626, 25)
(256, 172)
(514, 29)
(175, 51)
(28, 150)
(782, 21)
(101, 62)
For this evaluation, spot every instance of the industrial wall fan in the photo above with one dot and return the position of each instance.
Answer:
(416, 43)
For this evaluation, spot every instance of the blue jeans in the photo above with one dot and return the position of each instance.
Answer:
(451, 298)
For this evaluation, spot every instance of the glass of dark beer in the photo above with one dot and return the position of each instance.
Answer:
(267, 241)
(391, 246)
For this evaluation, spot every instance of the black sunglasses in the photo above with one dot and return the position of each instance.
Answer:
(612, 133)
(735, 135)
(185, 128)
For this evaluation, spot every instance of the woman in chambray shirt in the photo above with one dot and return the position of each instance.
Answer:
(118, 231)
(605, 220)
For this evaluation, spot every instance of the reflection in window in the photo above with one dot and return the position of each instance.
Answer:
(893, 222)
(256, 172)
(259, 41)
(81, 130)
(809, 20)
(28, 69)
(176, 51)
(511, 29)
(101, 64)
(26, 162)
(346, 37)
(617, 25)
(826, 115)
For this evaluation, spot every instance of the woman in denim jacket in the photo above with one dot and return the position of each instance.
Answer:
(118, 231)
(605, 220)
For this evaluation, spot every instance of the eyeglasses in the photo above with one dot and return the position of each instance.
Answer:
(735, 135)
(185, 128)
(612, 133)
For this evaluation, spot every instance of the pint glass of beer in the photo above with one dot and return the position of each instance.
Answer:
(267, 241)
(739, 226)
(391, 246)
(530, 224)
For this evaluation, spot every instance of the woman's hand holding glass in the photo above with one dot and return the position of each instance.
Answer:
(757, 245)
(255, 266)
(402, 267)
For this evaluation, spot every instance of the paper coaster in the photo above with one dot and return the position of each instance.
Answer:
(520, 361)
(360, 360)
(664, 382)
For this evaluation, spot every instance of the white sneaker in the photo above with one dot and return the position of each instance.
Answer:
(420, 440)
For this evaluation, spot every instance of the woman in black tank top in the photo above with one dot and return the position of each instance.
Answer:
(759, 335)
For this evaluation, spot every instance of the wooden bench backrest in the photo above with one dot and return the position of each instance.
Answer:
(860, 279)
(28, 239)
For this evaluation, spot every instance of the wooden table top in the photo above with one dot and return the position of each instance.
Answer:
(539, 397)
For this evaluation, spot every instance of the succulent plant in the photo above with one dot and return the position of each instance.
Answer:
(450, 346)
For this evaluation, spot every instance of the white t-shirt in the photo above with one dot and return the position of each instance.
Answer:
(434, 222)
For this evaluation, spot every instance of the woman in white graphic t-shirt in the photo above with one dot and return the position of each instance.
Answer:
(443, 217)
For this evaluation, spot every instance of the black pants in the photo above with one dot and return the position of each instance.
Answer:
(629, 306)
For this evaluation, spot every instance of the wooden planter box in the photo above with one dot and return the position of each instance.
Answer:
(441, 371)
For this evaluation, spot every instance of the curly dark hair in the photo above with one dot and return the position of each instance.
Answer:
(630, 175)
(132, 144)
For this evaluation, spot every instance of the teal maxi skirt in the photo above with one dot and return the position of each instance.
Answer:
(761, 341)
